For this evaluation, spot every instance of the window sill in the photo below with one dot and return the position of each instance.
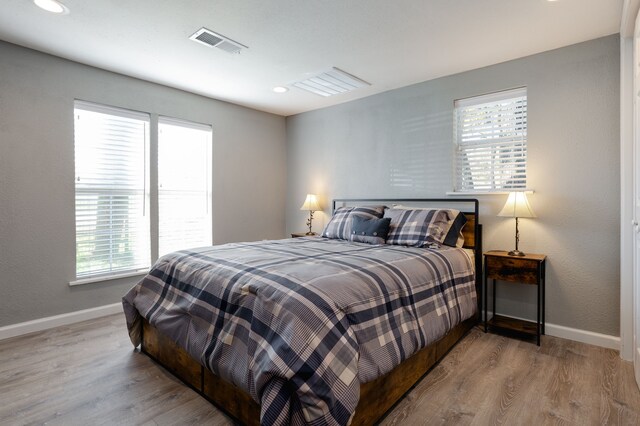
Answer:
(526, 191)
(100, 278)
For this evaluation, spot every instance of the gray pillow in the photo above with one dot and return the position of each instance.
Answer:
(418, 228)
(371, 231)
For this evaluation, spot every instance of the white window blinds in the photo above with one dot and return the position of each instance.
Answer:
(184, 185)
(490, 136)
(112, 229)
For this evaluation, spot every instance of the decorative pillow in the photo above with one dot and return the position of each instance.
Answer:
(339, 227)
(371, 231)
(417, 227)
(454, 237)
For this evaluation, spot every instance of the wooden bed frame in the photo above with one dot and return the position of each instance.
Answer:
(376, 397)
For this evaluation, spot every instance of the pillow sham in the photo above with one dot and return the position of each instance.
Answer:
(418, 228)
(339, 227)
(370, 231)
(454, 237)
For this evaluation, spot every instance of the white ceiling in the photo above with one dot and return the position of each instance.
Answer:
(389, 44)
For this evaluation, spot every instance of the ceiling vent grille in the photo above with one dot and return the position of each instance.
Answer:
(211, 39)
(332, 82)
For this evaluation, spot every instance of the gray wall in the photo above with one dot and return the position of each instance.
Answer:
(399, 144)
(37, 222)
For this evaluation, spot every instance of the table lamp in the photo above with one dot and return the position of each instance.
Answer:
(311, 204)
(517, 206)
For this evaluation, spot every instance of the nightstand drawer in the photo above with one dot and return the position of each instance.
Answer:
(513, 269)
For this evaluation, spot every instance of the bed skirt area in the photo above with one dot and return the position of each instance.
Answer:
(376, 397)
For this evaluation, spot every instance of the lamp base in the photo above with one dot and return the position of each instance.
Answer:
(310, 233)
(516, 253)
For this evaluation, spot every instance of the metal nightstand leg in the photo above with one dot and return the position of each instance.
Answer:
(538, 309)
(493, 308)
(542, 275)
(486, 290)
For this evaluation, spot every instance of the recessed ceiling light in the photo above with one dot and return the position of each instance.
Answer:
(280, 89)
(52, 6)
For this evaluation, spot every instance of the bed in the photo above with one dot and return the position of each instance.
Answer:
(308, 330)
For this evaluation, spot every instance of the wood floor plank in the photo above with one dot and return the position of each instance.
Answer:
(88, 373)
(624, 391)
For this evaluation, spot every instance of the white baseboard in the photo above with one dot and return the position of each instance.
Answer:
(13, 330)
(578, 335)
(41, 324)
(584, 336)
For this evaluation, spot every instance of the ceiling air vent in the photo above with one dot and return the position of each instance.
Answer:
(211, 39)
(332, 82)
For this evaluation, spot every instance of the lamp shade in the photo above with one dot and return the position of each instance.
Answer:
(311, 203)
(517, 205)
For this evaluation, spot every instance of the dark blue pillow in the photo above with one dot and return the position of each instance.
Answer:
(339, 227)
(371, 231)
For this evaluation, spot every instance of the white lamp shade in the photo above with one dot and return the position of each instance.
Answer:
(517, 205)
(311, 203)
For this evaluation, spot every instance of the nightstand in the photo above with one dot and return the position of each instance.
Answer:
(528, 269)
(302, 234)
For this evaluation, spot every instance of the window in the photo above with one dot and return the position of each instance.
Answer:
(490, 137)
(184, 185)
(112, 224)
(114, 221)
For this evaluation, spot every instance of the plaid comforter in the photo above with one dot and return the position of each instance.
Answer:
(300, 323)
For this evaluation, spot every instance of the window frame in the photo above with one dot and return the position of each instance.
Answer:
(518, 149)
(151, 176)
(145, 255)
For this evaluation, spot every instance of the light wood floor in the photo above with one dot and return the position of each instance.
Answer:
(89, 374)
